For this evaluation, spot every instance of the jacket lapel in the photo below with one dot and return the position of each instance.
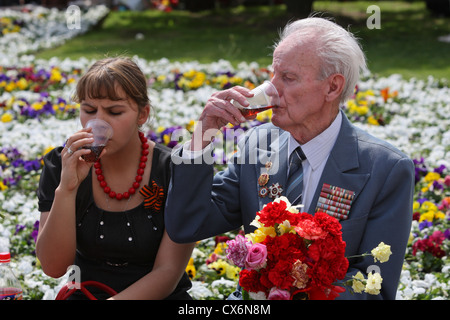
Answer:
(276, 156)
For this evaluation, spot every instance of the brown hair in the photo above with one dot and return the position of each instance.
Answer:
(103, 77)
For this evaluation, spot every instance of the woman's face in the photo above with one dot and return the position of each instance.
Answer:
(123, 115)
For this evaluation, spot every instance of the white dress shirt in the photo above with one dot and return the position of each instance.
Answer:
(316, 151)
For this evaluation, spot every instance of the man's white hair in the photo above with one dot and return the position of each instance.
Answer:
(339, 51)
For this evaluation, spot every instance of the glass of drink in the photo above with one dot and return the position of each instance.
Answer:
(102, 132)
(265, 96)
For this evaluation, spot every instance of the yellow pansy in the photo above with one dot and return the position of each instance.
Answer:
(190, 126)
(232, 272)
(198, 80)
(2, 186)
(3, 158)
(264, 116)
(428, 206)
(362, 110)
(37, 106)
(182, 82)
(190, 269)
(189, 74)
(219, 266)
(371, 120)
(6, 117)
(10, 86)
(429, 216)
(220, 248)
(47, 150)
(22, 83)
(431, 177)
(236, 80)
(439, 215)
(55, 75)
(221, 80)
(167, 138)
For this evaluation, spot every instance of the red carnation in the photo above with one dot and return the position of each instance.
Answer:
(249, 280)
(273, 213)
(328, 223)
(280, 274)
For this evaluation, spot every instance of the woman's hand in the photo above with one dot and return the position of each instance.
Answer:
(74, 168)
(218, 112)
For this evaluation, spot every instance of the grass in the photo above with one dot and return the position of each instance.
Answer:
(406, 43)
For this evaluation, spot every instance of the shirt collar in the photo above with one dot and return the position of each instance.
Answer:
(318, 149)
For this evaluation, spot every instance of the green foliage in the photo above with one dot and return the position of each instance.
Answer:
(407, 42)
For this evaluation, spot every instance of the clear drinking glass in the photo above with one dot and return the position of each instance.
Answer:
(265, 96)
(102, 132)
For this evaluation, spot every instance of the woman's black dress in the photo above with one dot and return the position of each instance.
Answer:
(114, 248)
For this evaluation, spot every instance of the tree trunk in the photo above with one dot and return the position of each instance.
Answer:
(299, 8)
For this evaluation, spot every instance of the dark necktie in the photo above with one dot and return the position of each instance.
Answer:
(295, 180)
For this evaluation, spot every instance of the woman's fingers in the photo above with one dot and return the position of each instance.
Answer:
(74, 144)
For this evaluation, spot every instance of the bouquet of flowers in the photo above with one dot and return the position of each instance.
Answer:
(295, 255)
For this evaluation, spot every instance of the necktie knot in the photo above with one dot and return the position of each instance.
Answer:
(296, 158)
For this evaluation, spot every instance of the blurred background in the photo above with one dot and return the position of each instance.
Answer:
(413, 37)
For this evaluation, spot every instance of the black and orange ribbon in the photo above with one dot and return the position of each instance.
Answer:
(154, 196)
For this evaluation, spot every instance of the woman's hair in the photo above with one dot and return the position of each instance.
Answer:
(103, 77)
(338, 49)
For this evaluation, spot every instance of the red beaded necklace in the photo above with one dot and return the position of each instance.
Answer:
(137, 181)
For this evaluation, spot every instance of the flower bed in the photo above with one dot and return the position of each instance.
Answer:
(37, 114)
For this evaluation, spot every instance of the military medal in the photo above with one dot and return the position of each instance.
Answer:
(335, 201)
(275, 190)
(263, 192)
(263, 180)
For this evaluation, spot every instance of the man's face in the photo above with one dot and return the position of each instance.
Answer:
(296, 77)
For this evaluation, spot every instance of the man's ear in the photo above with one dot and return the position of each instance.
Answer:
(336, 84)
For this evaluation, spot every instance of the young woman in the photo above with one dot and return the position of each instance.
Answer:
(107, 217)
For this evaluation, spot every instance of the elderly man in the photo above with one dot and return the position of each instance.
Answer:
(316, 66)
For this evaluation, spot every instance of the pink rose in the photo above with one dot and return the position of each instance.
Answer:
(256, 257)
(278, 294)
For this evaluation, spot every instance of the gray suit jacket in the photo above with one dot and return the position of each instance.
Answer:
(201, 205)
